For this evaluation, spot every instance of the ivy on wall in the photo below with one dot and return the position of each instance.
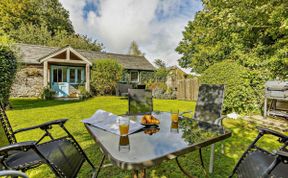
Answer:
(8, 68)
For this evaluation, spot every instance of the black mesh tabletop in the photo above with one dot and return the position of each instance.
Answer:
(147, 150)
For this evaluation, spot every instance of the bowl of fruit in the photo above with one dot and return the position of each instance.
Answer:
(149, 120)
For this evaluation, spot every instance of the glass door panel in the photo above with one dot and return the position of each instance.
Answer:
(72, 75)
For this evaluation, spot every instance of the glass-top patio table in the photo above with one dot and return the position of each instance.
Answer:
(142, 150)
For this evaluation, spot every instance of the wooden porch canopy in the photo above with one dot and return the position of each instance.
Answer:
(67, 56)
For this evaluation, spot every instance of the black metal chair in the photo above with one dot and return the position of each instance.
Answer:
(257, 162)
(122, 89)
(140, 101)
(209, 109)
(63, 154)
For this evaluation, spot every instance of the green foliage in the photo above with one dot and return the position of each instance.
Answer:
(84, 94)
(160, 63)
(134, 49)
(162, 72)
(146, 77)
(47, 93)
(14, 13)
(62, 38)
(8, 68)
(41, 22)
(253, 33)
(104, 76)
(31, 34)
(243, 89)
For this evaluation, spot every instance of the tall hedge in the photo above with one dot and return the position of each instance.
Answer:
(104, 76)
(241, 95)
(8, 67)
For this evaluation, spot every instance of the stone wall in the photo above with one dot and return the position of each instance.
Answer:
(28, 82)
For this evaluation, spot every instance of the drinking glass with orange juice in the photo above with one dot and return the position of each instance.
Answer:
(124, 126)
(124, 144)
(174, 127)
(174, 115)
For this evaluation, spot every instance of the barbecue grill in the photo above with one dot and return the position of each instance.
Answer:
(277, 93)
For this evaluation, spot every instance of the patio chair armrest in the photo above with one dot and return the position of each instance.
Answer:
(282, 154)
(283, 138)
(43, 126)
(185, 112)
(18, 146)
(12, 173)
(219, 121)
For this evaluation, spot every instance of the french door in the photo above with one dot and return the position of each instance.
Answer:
(62, 77)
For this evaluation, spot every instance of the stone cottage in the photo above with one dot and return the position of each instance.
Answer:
(63, 69)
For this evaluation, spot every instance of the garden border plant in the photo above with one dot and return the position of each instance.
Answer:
(8, 68)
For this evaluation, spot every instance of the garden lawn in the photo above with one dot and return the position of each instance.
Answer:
(28, 112)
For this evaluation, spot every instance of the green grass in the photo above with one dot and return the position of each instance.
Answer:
(28, 112)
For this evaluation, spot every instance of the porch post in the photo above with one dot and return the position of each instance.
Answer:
(87, 84)
(45, 72)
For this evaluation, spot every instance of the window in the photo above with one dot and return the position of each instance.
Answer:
(64, 74)
(79, 76)
(134, 76)
(55, 75)
(58, 75)
(72, 76)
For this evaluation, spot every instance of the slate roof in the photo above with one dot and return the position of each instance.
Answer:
(31, 54)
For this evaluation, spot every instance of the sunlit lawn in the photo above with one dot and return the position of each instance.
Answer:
(28, 112)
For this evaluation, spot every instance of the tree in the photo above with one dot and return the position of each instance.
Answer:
(160, 63)
(62, 38)
(134, 49)
(41, 22)
(14, 13)
(41, 36)
(104, 76)
(240, 95)
(253, 33)
(161, 73)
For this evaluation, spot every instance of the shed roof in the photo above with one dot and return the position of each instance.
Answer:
(32, 54)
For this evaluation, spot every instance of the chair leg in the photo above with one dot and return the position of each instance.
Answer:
(211, 163)
(201, 158)
(99, 167)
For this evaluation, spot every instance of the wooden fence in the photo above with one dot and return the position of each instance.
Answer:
(187, 89)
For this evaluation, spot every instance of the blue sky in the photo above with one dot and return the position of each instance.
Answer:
(156, 25)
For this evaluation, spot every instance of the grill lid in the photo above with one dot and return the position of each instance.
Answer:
(276, 85)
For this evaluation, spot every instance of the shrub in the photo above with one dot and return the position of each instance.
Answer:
(47, 93)
(147, 77)
(104, 76)
(8, 68)
(240, 95)
(84, 94)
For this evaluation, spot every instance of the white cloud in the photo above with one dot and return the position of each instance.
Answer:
(118, 22)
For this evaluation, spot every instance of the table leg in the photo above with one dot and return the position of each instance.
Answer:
(135, 173)
(139, 174)
(143, 173)
(184, 172)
